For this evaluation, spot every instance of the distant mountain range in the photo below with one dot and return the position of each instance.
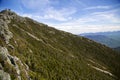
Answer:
(110, 39)
(117, 49)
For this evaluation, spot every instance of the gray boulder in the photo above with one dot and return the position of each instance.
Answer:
(4, 75)
(3, 54)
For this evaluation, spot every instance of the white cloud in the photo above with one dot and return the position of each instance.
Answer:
(35, 4)
(100, 18)
(44, 10)
(108, 16)
(94, 22)
(60, 15)
(79, 28)
(35, 17)
(26, 15)
(98, 7)
(80, 2)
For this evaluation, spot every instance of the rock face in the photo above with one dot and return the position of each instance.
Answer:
(4, 31)
(4, 58)
(5, 18)
(8, 61)
(9, 64)
(3, 53)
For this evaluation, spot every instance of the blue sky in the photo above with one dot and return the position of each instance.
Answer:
(75, 16)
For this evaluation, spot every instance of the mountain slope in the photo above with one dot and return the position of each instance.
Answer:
(50, 54)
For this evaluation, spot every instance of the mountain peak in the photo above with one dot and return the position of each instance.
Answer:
(7, 16)
(8, 12)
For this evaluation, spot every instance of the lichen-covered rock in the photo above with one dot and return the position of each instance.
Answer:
(4, 31)
(13, 63)
(6, 57)
(3, 54)
(4, 75)
(1, 67)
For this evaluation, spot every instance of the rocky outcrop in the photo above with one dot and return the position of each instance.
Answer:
(6, 61)
(3, 58)
(10, 66)
(5, 18)
(7, 15)
(4, 31)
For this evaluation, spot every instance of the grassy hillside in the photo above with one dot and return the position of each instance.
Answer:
(57, 55)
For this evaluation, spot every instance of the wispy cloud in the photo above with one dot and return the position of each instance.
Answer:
(108, 16)
(45, 10)
(35, 4)
(60, 15)
(77, 28)
(98, 7)
(80, 2)
(94, 22)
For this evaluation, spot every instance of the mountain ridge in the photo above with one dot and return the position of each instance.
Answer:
(45, 53)
(112, 43)
(110, 39)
